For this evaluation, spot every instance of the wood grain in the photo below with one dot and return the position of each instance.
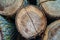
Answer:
(30, 21)
(52, 8)
(9, 7)
(53, 31)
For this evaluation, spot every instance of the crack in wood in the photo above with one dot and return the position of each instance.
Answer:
(31, 21)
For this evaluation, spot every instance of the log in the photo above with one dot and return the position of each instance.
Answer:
(30, 21)
(9, 7)
(51, 7)
(53, 31)
(7, 29)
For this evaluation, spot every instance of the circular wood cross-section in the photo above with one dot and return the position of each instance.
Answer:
(9, 7)
(30, 21)
(52, 7)
(53, 31)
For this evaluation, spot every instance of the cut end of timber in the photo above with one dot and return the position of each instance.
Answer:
(51, 7)
(30, 21)
(53, 31)
(9, 7)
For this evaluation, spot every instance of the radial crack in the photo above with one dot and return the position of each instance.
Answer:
(31, 21)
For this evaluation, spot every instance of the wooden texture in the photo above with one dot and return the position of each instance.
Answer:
(52, 7)
(53, 31)
(30, 21)
(9, 7)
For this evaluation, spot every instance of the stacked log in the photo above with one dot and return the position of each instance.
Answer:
(30, 22)
(33, 19)
(53, 31)
(9, 7)
(51, 7)
(7, 29)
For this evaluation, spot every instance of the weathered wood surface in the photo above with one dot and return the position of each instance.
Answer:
(10, 7)
(30, 21)
(51, 7)
(53, 31)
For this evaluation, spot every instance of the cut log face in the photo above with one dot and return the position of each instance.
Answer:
(52, 7)
(30, 21)
(53, 31)
(9, 7)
